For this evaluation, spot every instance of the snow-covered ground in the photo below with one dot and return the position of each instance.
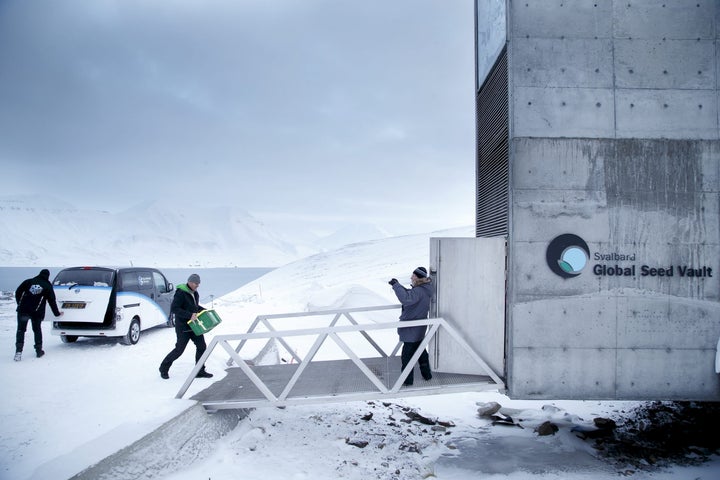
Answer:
(84, 401)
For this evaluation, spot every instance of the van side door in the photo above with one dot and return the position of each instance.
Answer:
(163, 293)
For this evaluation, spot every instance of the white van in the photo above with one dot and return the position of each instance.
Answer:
(111, 302)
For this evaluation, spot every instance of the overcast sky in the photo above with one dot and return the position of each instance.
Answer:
(312, 110)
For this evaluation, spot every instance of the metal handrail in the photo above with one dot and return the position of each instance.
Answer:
(323, 333)
(346, 312)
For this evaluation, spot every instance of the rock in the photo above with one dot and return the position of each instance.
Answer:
(356, 442)
(546, 428)
(500, 419)
(487, 409)
(413, 415)
(411, 447)
(605, 423)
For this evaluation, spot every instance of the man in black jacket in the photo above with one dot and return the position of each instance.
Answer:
(31, 297)
(185, 307)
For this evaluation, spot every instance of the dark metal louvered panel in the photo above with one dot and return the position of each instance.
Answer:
(492, 152)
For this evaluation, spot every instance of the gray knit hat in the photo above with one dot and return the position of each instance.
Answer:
(194, 278)
(420, 272)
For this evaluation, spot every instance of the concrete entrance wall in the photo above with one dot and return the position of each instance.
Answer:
(614, 139)
(641, 319)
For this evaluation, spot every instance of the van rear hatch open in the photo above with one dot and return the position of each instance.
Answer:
(85, 295)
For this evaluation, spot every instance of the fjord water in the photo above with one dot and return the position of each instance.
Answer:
(215, 282)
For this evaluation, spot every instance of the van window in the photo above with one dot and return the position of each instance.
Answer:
(160, 283)
(85, 277)
(137, 281)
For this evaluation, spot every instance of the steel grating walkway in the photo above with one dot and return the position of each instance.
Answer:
(306, 380)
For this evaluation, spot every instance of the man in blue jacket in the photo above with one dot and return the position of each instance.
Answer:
(415, 306)
(185, 307)
(31, 297)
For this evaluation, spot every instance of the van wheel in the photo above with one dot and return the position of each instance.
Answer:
(133, 334)
(68, 338)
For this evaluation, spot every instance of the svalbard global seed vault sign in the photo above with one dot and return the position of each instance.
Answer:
(568, 255)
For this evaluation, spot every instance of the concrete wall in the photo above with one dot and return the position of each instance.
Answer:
(614, 69)
(614, 137)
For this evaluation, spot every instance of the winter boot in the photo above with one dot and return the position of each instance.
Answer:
(204, 374)
(164, 374)
(18, 356)
(40, 352)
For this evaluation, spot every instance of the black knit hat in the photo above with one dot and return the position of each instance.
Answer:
(420, 272)
(45, 273)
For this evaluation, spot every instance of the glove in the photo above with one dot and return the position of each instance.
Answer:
(393, 281)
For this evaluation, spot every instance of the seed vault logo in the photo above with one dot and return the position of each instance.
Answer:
(567, 255)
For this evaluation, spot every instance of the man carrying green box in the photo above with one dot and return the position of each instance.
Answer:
(185, 307)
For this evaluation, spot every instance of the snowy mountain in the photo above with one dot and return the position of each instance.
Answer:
(45, 231)
(351, 234)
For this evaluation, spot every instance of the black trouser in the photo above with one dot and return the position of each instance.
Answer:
(22, 321)
(183, 337)
(408, 350)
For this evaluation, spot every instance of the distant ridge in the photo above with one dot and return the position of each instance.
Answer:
(44, 231)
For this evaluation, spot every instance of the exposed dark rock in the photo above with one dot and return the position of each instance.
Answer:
(605, 423)
(416, 417)
(660, 433)
(500, 419)
(546, 428)
(356, 442)
(410, 447)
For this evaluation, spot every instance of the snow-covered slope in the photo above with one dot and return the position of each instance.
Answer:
(351, 234)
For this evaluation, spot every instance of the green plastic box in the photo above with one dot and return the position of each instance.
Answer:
(205, 321)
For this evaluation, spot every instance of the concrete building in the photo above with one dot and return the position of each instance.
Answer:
(595, 273)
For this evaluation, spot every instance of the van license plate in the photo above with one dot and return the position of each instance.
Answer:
(73, 305)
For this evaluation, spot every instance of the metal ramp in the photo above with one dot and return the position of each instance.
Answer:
(342, 375)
